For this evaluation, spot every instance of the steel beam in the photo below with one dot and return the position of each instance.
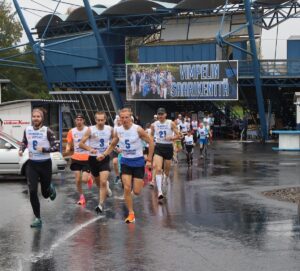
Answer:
(102, 51)
(256, 69)
(35, 46)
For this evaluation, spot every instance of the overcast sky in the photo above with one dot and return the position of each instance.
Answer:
(285, 30)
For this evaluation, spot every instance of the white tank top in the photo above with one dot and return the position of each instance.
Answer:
(202, 132)
(130, 142)
(163, 130)
(189, 140)
(195, 125)
(37, 138)
(77, 136)
(100, 139)
(184, 127)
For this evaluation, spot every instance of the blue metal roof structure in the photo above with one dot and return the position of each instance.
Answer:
(101, 32)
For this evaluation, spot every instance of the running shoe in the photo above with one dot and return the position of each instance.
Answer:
(160, 196)
(130, 218)
(109, 193)
(53, 192)
(36, 223)
(99, 209)
(117, 180)
(81, 200)
(90, 182)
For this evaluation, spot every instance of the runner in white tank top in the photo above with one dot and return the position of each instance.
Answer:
(163, 130)
(99, 137)
(130, 138)
(40, 141)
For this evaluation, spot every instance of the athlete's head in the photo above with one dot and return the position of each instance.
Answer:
(180, 116)
(100, 118)
(161, 114)
(201, 124)
(125, 116)
(79, 121)
(189, 132)
(155, 117)
(37, 117)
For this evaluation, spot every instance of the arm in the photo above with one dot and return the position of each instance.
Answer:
(82, 144)
(69, 141)
(143, 135)
(111, 147)
(54, 144)
(23, 144)
(175, 130)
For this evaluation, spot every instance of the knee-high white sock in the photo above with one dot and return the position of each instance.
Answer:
(158, 183)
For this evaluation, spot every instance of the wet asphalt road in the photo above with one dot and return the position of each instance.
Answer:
(215, 218)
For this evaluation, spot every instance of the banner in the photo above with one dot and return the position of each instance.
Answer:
(210, 80)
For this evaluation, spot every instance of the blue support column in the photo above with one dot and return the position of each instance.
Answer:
(256, 68)
(35, 46)
(103, 52)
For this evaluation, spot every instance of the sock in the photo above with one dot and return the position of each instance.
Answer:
(158, 183)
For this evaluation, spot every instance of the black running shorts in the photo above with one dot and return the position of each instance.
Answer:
(98, 166)
(77, 165)
(164, 150)
(135, 172)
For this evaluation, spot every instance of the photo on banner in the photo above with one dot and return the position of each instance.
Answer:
(207, 80)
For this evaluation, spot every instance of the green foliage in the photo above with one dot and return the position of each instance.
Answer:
(25, 83)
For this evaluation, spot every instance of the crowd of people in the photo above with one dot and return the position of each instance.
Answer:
(153, 83)
(136, 152)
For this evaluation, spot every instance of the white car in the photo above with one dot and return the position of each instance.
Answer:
(12, 163)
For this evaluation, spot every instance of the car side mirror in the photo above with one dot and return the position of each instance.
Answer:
(8, 146)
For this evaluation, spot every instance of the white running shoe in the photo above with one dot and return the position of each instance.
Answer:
(109, 193)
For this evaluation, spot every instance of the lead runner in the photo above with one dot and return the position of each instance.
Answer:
(130, 136)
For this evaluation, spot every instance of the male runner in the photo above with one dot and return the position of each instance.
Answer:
(80, 157)
(40, 141)
(163, 130)
(117, 153)
(203, 138)
(130, 138)
(99, 137)
(189, 147)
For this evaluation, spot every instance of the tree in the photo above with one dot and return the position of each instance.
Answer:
(25, 83)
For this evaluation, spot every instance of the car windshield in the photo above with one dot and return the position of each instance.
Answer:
(10, 138)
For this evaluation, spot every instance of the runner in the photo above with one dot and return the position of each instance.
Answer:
(189, 147)
(203, 135)
(117, 153)
(130, 137)
(80, 157)
(163, 130)
(194, 125)
(40, 141)
(99, 136)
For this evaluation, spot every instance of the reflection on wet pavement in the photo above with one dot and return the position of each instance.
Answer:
(215, 218)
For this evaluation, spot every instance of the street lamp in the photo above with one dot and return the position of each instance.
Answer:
(3, 82)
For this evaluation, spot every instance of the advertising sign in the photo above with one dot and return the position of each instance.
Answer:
(209, 80)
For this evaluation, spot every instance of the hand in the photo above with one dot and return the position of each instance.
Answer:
(148, 164)
(169, 137)
(20, 153)
(93, 151)
(100, 157)
(39, 149)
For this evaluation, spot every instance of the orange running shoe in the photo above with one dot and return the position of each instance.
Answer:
(130, 218)
(81, 200)
(90, 182)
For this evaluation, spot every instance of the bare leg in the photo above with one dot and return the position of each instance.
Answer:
(103, 186)
(127, 182)
(78, 182)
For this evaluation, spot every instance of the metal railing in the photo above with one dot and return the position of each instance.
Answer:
(268, 69)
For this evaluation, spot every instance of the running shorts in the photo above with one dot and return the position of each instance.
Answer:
(98, 166)
(164, 150)
(77, 165)
(135, 172)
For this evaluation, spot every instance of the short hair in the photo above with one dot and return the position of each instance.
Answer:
(126, 109)
(101, 113)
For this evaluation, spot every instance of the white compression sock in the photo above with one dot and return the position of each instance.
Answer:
(158, 183)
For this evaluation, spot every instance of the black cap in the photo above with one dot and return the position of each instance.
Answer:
(161, 110)
(79, 116)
